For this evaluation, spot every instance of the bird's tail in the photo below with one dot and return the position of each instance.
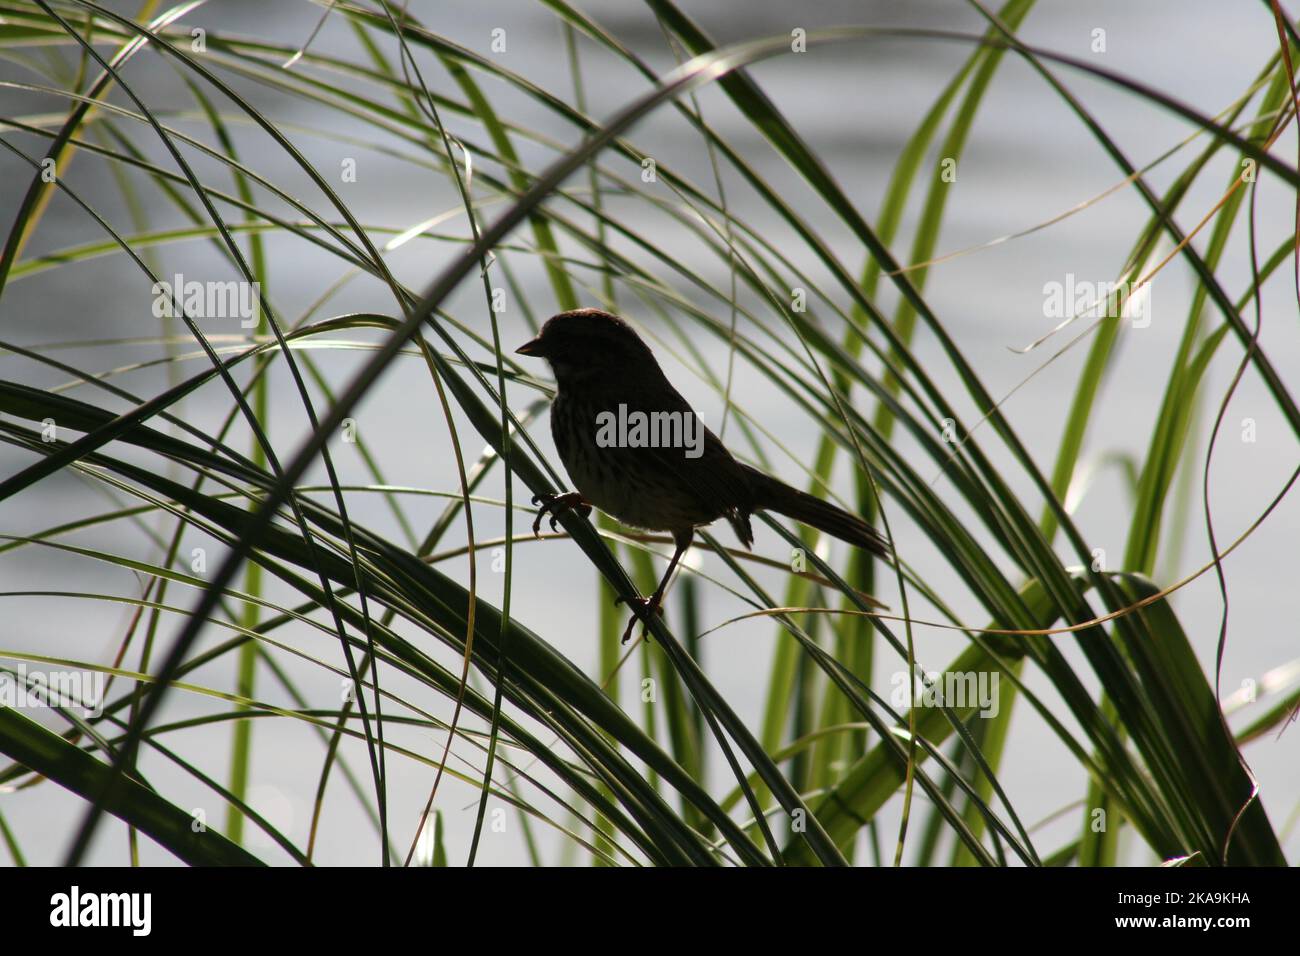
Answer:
(773, 495)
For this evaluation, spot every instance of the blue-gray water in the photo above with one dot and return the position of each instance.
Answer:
(1028, 160)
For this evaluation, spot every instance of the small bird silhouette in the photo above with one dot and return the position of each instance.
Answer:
(606, 378)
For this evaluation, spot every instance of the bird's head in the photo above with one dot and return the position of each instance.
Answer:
(589, 343)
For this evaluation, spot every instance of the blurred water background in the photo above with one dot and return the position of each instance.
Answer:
(1029, 159)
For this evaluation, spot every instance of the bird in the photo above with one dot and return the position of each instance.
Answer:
(673, 474)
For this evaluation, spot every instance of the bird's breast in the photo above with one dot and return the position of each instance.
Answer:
(635, 485)
(594, 472)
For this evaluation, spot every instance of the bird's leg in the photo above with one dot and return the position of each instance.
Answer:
(644, 607)
(554, 505)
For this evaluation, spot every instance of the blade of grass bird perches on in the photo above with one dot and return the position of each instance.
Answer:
(643, 538)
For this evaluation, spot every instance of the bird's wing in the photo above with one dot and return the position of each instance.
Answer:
(713, 477)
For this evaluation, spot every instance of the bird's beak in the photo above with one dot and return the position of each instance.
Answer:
(531, 347)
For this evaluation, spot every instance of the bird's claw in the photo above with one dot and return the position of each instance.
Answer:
(640, 606)
(553, 505)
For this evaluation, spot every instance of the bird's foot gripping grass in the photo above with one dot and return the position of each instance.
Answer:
(555, 505)
(642, 608)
